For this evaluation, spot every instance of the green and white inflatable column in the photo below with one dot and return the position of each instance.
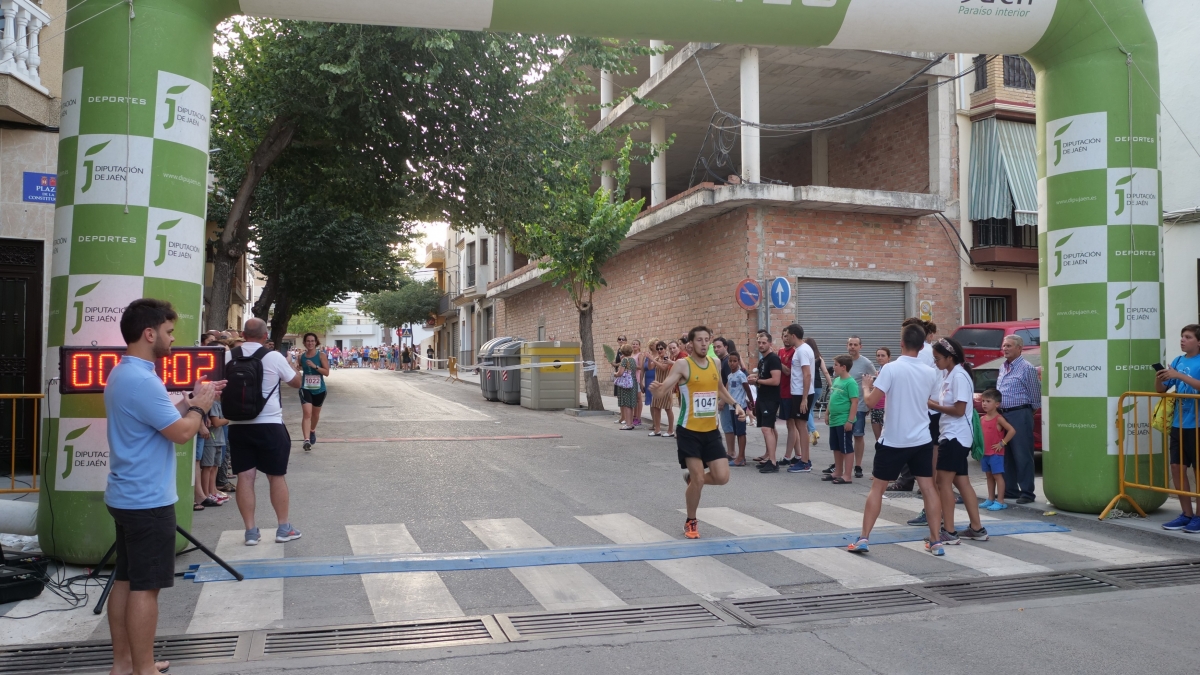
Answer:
(1100, 238)
(129, 223)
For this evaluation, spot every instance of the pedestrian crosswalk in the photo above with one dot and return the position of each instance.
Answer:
(405, 596)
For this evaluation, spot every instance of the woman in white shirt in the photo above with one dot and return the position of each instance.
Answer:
(955, 403)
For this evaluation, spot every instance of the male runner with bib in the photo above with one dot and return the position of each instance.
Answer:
(697, 438)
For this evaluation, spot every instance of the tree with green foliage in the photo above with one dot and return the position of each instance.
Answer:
(414, 303)
(586, 230)
(317, 320)
(361, 122)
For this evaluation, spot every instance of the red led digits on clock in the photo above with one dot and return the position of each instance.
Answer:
(85, 370)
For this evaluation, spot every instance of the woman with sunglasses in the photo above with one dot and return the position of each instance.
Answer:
(661, 400)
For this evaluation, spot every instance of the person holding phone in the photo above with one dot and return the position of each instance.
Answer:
(1184, 375)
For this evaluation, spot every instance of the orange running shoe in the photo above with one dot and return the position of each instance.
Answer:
(691, 529)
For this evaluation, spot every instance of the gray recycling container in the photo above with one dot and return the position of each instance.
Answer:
(489, 379)
(509, 354)
(555, 387)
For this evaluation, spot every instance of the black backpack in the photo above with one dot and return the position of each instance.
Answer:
(243, 400)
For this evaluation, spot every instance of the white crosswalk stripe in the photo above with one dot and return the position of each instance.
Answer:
(848, 570)
(1113, 555)
(832, 513)
(240, 605)
(67, 625)
(1108, 553)
(401, 596)
(705, 576)
(987, 562)
(556, 587)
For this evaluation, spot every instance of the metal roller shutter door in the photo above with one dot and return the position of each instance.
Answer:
(831, 310)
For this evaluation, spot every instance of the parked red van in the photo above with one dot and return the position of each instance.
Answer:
(981, 341)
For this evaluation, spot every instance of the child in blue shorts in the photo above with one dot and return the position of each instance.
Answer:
(737, 389)
(843, 397)
(997, 432)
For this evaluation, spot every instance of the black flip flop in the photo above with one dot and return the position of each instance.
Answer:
(842, 481)
(829, 478)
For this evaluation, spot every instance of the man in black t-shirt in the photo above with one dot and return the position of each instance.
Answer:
(767, 379)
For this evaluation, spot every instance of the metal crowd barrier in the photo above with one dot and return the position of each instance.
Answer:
(22, 431)
(1142, 423)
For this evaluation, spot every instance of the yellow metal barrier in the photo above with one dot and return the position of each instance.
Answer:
(34, 421)
(1140, 415)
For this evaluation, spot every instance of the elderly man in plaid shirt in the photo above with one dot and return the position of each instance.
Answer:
(1021, 394)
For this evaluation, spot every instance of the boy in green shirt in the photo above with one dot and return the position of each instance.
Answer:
(843, 397)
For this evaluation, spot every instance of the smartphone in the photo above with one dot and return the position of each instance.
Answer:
(1158, 366)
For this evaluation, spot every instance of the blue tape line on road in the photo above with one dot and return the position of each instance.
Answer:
(503, 559)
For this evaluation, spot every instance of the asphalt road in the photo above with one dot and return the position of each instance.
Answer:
(360, 490)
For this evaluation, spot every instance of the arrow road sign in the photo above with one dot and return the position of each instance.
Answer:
(781, 292)
(748, 294)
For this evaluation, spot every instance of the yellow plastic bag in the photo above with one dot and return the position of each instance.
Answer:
(1164, 414)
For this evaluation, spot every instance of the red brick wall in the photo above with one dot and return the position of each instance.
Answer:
(663, 288)
(889, 152)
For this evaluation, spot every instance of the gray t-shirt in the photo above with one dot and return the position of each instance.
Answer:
(862, 366)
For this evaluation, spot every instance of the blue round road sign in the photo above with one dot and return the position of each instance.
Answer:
(748, 294)
(781, 292)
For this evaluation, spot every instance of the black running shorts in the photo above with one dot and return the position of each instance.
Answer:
(145, 547)
(952, 456)
(265, 447)
(890, 461)
(706, 445)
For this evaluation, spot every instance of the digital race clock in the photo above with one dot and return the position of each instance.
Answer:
(85, 370)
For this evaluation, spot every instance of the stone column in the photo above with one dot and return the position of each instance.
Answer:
(750, 137)
(657, 61)
(34, 61)
(820, 157)
(658, 167)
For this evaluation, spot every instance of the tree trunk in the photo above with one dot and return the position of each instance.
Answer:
(230, 246)
(280, 317)
(588, 352)
(262, 307)
(225, 256)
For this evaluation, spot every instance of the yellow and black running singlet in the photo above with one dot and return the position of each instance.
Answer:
(698, 396)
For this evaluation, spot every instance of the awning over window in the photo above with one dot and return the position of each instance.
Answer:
(1003, 176)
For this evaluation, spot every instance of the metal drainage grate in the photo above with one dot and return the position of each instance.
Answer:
(792, 608)
(606, 621)
(1176, 573)
(1018, 588)
(97, 655)
(372, 637)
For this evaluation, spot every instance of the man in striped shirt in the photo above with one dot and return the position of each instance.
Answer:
(1021, 392)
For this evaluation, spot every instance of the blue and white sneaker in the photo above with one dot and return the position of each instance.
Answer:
(252, 537)
(860, 546)
(919, 520)
(285, 533)
(1193, 527)
(800, 466)
(935, 548)
(1179, 523)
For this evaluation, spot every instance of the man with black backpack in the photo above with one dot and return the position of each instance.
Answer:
(258, 439)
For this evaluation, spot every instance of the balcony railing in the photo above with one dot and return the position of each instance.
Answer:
(1003, 233)
(444, 307)
(19, 53)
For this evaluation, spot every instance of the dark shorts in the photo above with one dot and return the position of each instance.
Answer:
(889, 461)
(765, 412)
(265, 447)
(706, 445)
(316, 399)
(935, 427)
(877, 416)
(841, 440)
(1183, 446)
(952, 456)
(787, 409)
(145, 547)
(796, 414)
(730, 424)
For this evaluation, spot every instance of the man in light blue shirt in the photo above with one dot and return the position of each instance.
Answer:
(143, 428)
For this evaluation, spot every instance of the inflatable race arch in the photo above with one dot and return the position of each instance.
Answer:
(133, 159)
